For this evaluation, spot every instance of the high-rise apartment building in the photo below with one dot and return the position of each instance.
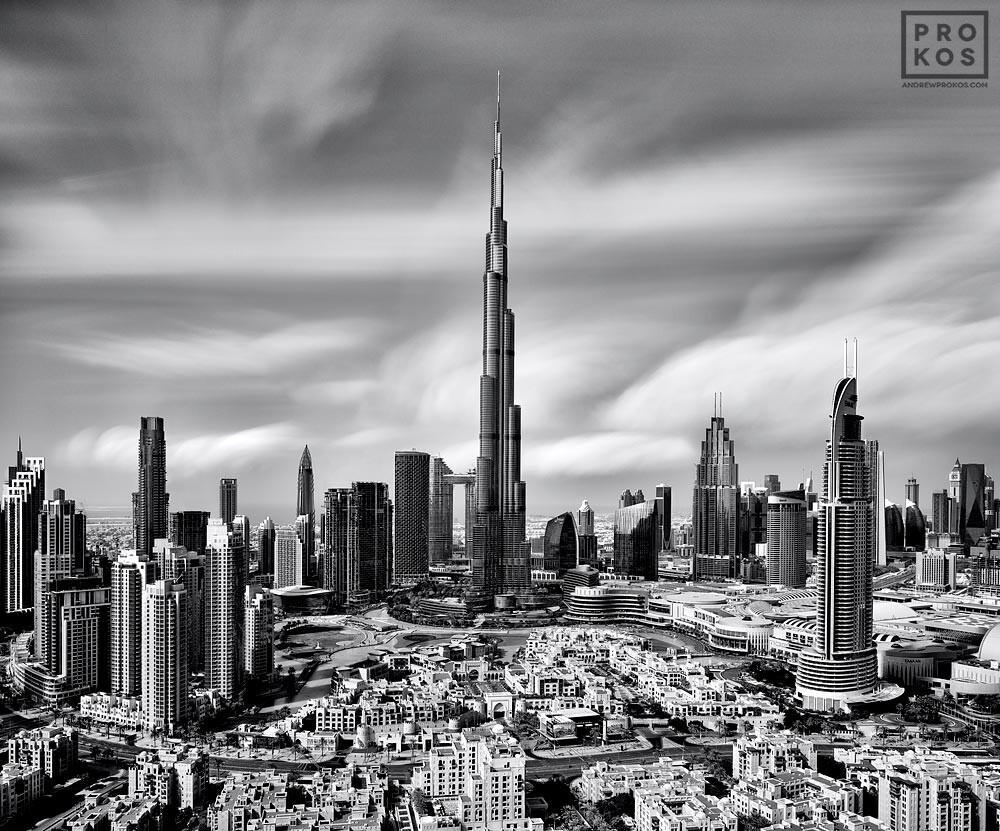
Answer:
(23, 495)
(75, 641)
(258, 660)
(188, 567)
(842, 662)
(786, 539)
(228, 506)
(441, 517)
(412, 511)
(716, 508)
(306, 507)
(937, 569)
(165, 650)
(940, 511)
(61, 553)
(587, 539)
(225, 565)
(500, 554)
(189, 529)
(882, 523)
(265, 547)
(291, 568)
(130, 574)
(335, 552)
(369, 542)
(151, 499)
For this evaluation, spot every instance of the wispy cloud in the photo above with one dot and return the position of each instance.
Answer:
(189, 352)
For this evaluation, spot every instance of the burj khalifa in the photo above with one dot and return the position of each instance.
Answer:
(500, 553)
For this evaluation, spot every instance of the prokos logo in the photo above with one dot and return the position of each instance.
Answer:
(946, 45)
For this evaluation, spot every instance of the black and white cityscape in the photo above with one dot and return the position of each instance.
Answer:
(280, 550)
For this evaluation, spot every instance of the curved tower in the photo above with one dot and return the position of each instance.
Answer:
(842, 663)
(500, 558)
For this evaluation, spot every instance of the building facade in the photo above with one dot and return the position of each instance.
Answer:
(165, 679)
(228, 506)
(411, 516)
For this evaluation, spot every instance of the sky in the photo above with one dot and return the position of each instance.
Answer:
(264, 222)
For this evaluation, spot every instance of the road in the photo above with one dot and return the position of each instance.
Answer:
(573, 765)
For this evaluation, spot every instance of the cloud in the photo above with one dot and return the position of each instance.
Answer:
(195, 352)
(187, 457)
(605, 453)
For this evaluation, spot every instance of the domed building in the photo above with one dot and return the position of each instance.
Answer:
(975, 676)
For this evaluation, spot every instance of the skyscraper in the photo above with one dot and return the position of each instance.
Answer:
(442, 512)
(786, 539)
(189, 529)
(228, 506)
(587, 555)
(290, 565)
(972, 504)
(560, 548)
(130, 574)
(224, 625)
(412, 511)
(22, 500)
(305, 506)
(772, 484)
(258, 661)
(716, 509)
(188, 567)
(165, 652)
(638, 540)
(880, 519)
(913, 491)
(151, 498)
(61, 550)
(334, 572)
(664, 499)
(500, 553)
(265, 547)
(954, 495)
(842, 663)
(369, 542)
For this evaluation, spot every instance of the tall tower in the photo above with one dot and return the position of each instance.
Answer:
(151, 498)
(587, 537)
(228, 507)
(130, 574)
(716, 506)
(954, 495)
(22, 500)
(786, 539)
(337, 508)
(61, 543)
(225, 569)
(875, 461)
(500, 554)
(265, 547)
(306, 507)
(442, 512)
(165, 632)
(842, 662)
(369, 542)
(913, 491)
(412, 492)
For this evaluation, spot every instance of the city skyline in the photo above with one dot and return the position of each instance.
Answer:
(679, 230)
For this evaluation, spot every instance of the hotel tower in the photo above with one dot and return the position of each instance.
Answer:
(842, 663)
(500, 554)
